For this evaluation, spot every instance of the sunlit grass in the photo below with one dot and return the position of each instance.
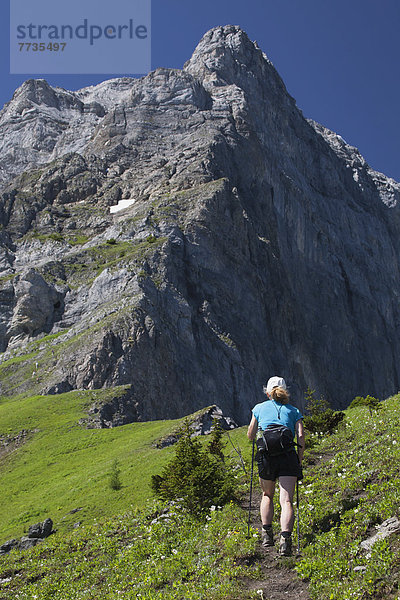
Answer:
(351, 485)
(148, 554)
(353, 488)
(63, 466)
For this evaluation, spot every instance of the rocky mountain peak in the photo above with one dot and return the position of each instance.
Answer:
(35, 96)
(39, 92)
(226, 55)
(250, 242)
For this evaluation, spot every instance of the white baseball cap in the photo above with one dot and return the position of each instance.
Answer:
(274, 382)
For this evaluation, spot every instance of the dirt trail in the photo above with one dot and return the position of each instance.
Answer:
(280, 581)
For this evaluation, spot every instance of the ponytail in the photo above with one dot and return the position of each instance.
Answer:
(279, 394)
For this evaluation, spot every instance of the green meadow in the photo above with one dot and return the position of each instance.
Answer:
(63, 466)
(130, 545)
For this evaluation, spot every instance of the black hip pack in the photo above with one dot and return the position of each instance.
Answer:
(276, 440)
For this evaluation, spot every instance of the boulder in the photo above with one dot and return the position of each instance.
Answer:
(27, 542)
(387, 528)
(36, 533)
(41, 530)
(202, 424)
(10, 545)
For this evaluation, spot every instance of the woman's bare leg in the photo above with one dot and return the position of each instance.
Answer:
(267, 501)
(287, 486)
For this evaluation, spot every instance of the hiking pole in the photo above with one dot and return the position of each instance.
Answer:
(298, 517)
(251, 489)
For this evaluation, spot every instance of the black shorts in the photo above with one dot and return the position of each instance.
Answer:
(284, 465)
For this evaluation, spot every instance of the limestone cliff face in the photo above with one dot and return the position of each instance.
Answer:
(258, 242)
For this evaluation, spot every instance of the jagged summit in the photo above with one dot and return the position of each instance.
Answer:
(252, 241)
(226, 55)
(46, 123)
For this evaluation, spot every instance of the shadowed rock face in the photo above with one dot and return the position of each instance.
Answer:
(259, 243)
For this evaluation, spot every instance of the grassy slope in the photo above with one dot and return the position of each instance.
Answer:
(135, 556)
(63, 466)
(351, 484)
(351, 488)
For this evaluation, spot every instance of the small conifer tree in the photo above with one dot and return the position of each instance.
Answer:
(321, 418)
(216, 445)
(195, 475)
(115, 481)
(315, 405)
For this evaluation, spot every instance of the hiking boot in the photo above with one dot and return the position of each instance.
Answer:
(285, 544)
(267, 537)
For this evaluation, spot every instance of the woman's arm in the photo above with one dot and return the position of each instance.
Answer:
(300, 439)
(252, 430)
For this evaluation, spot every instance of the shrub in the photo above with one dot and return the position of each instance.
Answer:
(369, 401)
(196, 475)
(324, 422)
(321, 418)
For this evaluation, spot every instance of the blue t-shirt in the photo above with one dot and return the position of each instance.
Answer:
(274, 413)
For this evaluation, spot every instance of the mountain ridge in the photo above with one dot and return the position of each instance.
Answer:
(258, 241)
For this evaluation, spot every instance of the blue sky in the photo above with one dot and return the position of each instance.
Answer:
(338, 58)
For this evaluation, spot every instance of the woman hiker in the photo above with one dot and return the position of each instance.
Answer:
(284, 465)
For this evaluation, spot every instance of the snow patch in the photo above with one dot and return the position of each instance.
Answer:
(121, 205)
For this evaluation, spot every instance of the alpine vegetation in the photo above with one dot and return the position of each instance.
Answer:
(349, 524)
(198, 477)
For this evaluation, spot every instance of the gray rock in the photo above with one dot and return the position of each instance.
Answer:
(41, 530)
(8, 546)
(202, 424)
(36, 533)
(386, 529)
(258, 242)
(36, 305)
(121, 410)
(27, 542)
